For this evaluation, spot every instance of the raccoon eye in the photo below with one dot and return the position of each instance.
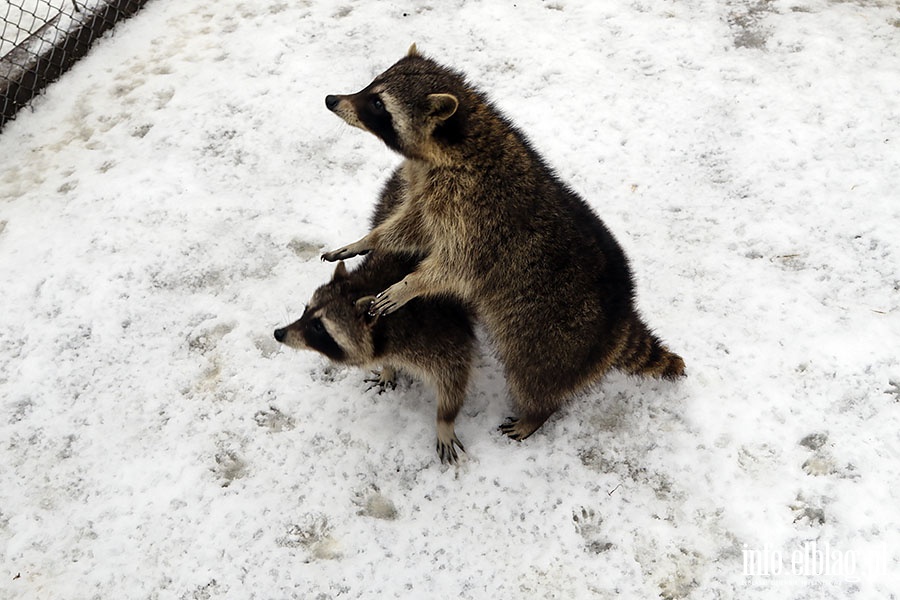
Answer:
(377, 104)
(316, 326)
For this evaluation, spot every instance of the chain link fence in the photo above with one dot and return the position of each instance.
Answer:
(40, 39)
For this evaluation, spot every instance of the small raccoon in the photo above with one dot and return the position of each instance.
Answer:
(499, 230)
(431, 338)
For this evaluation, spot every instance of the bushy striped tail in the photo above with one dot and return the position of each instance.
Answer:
(644, 354)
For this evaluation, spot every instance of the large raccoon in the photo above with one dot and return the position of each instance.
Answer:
(501, 231)
(430, 338)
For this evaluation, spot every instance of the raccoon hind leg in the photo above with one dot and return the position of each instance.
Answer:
(451, 393)
(538, 390)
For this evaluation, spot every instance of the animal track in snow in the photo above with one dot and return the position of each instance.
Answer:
(588, 524)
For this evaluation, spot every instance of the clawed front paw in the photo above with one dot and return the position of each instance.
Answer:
(390, 300)
(342, 254)
(446, 450)
(383, 305)
(386, 380)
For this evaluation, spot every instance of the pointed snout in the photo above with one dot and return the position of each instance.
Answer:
(332, 101)
(280, 334)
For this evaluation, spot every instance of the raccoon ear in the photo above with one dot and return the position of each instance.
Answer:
(413, 51)
(340, 272)
(442, 106)
(362, 309)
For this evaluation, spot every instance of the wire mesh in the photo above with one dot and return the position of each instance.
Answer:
(40, 39)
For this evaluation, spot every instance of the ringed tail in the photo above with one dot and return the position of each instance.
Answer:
(644, 354)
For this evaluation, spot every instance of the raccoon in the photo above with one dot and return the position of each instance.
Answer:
(501, 231)
(431, 338)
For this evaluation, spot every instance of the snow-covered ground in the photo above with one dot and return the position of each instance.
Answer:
(162, 210)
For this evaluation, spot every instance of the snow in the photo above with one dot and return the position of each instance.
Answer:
(162, 210)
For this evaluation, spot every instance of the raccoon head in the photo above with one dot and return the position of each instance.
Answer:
(415, 107)
(335, 323)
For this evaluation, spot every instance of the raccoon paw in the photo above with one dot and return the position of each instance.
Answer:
(446, 449)
(385, 380)
(519, 429)
(508, 428)
(382, 305)
(342, 253)
(447, 442)
(391, 299)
